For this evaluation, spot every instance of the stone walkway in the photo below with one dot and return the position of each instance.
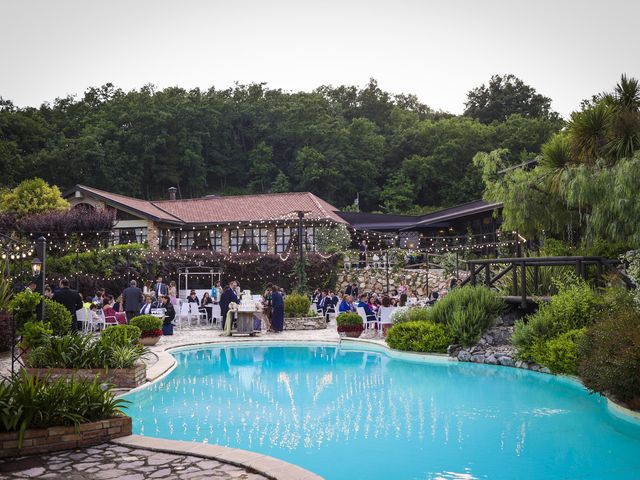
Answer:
(109, 461)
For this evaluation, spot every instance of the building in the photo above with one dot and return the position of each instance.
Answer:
(263, 223)
(267, 223)
(478, 218)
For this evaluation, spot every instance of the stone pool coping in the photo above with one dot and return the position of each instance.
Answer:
(262, 464)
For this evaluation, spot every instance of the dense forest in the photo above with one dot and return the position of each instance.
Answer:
(391, 151)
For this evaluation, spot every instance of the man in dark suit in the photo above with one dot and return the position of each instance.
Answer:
(160, 288)
(70, 299)
(132, 299)
(228, 296)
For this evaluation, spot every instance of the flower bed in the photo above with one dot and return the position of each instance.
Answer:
(119, 377)
(41, 440)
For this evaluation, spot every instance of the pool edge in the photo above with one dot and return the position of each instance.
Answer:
(265, 465)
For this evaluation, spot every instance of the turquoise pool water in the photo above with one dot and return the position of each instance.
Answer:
(351, 413)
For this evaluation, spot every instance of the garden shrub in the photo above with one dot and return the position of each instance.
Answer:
(400, 315)
(35, 334)
(296, 305)
(609, 356)
(57, 316)
(121, 335)
(420, 337)
(23, 307)
(467, 312)
(149, 325)
(83, 351)
(559, 354)
(30, 401)
(575, 306)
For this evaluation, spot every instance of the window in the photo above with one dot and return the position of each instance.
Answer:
(129, 235)
(287, 237)
(310, 238)
(215, 239)
(168, 239)
(283, 239)
(248, 240)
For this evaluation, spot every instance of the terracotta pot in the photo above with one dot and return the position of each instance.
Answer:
(355, 334)
(149, 341)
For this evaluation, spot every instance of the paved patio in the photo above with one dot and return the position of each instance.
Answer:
(109, 461)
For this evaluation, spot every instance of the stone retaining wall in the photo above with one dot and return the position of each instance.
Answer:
(305, 323)
(52, 439)
(120, 377)
(374, 279)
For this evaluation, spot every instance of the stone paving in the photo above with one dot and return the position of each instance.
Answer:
(109, 461)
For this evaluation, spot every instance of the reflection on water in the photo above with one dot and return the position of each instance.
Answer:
(357, 414)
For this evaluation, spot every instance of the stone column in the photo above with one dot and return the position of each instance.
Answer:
(152, 235)
(271, 239)
(225, 240)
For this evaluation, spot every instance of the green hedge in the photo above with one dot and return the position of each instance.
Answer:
(420, 337)
(560, 354)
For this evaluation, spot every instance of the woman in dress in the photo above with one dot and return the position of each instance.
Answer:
(277, 310)
(173, 293)
(207, 304)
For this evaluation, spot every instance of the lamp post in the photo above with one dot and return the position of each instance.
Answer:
(38, 267)
(387, 242)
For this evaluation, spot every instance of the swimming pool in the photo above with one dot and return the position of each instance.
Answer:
(348, 412)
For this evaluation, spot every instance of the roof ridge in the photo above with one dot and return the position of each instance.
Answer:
(314, 199)
(218, 197)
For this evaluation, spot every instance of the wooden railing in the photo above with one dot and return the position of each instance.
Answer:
(518, 269)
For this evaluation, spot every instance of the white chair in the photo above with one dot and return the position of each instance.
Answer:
(98, 321)
(365, 320)
(109, 320)
(82, 318)
(197, 312)
(216, 314)
(184, 314)
(384, 318)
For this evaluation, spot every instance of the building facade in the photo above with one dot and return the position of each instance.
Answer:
(266, 223)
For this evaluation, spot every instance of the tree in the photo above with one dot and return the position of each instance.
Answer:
(333, 239)
(281, 184)
(398, 195)
(505, 96)
(582, 187)
(262, 167)
(32, 196)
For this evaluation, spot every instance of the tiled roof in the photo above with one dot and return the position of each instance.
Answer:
(246, 208)
(378, 221)
(471, 208)
(215, 209)
(143, 207)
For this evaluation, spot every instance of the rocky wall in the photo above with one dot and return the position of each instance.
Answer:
(374, 280)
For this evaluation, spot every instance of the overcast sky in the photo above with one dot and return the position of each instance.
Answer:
(438, 50)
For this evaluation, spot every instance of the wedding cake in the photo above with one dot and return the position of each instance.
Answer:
(246, 302)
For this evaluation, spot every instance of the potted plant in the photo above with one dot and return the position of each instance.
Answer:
(350, 324)
(150, 328)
